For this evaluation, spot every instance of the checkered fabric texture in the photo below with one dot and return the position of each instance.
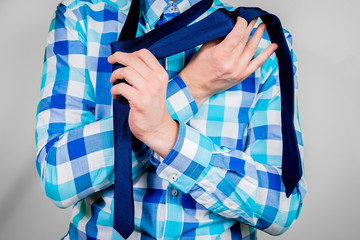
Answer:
(221, 180)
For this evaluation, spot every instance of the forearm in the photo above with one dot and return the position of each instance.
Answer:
(79, 163)
(181, 106)
(230, 182)
(89, 143)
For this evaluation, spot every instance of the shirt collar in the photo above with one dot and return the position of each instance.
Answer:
(152, 9)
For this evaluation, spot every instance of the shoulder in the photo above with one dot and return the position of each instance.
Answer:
(97, 4)
(223, 4)
(226, 4)
(83, 17)
(83, 12)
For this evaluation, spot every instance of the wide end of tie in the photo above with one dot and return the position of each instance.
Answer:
(291, 180)
(289, 190)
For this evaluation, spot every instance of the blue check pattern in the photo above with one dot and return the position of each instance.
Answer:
(221, 180)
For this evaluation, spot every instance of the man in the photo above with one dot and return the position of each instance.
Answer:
(213, 166)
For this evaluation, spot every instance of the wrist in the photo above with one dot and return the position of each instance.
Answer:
(194, 87)
(163, 139)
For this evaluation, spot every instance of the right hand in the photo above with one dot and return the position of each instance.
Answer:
(149, 119)
(225, 62)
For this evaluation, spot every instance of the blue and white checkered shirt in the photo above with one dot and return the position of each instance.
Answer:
(221, 180)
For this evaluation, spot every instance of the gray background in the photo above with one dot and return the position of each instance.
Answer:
(326, 40)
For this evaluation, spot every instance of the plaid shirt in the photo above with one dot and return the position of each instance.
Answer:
(221, 180)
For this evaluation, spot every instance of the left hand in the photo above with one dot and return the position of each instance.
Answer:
(225, 62)
(149, 119)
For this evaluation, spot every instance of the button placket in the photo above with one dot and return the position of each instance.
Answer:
(174, 216)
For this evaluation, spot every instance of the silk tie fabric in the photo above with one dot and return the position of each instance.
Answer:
(124, 141)
(123, 187)
(175, 36)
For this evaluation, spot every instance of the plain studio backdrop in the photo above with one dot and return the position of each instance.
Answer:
(326, 40)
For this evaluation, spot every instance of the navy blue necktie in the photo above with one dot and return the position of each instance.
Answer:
(173, 37)
(124, 141)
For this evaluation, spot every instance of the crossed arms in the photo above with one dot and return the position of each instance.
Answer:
(242, 176)
(218, 65)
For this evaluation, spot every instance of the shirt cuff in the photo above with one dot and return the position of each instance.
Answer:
(188, 160)
(180, 103)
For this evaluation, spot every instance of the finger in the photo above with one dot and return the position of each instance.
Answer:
(251, 27)
(125, 90)
(149, 59)
(235, 36)
(260, 59)
(130, 75)
(253, 44)
(132, 60)
(239, 49)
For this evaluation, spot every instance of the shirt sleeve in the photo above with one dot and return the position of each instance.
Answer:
(75, 151)
(241, 184)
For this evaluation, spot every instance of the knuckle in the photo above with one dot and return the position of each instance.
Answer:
(139, 53)
(258, 65)
(164, 76)
(115, 73)
(233, 42)
(125, 72)
(219, 56)
(157, 86)
(142, 52)
(269, 54)
(240, 34)
(251, 49)
(132, 57)
(116, 76)
(227, 67)
(113, 58)
(243, 23)
(242, 20)
(121, 86)
(118, 55)
(160, 76)
(142, 102)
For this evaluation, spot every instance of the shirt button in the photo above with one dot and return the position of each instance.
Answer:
(174, 177)
(173, 8)
(174, 192)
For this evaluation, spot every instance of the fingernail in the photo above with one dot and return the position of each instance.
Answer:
(275, 46)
